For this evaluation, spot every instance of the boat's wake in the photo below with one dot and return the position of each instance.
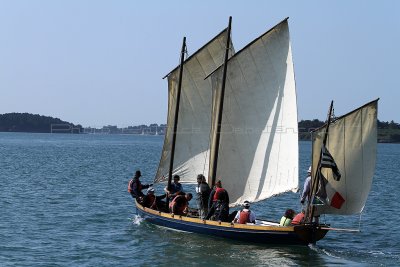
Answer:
(137, 220)
(322, 250)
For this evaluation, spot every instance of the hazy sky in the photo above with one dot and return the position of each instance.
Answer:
(102, 62)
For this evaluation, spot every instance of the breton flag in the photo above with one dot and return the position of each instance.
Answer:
(326, 194)
(327, 161)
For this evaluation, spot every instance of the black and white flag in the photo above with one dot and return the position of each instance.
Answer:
(327, 161)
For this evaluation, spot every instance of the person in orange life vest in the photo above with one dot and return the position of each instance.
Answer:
(299, 218)
(150, 200)
(135, 186)
(180, 204)
(218, 193)
(245, 215)
(175, 189)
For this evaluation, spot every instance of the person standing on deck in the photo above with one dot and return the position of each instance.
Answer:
(135, 186)
(218, 209)
(306, 188)
(203, 193)
(218, 193)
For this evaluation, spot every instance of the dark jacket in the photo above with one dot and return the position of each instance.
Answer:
(203, 193)
(135, 187)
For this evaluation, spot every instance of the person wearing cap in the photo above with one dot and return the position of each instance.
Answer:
(175, 189)
(150, 200)
(245, 215)
(135, 186)
(306, 187)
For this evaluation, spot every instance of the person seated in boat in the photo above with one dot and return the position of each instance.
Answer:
(135, 186)
(175, 189)
(245, 215)
(218, 193)
(150, 200)
(287, 218)
(180, 204)
(203, 193)
(299, 218)
(306, 188)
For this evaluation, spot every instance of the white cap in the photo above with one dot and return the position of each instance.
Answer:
(151, 189)
(309, 170)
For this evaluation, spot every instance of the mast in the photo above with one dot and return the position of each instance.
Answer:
(221, 106)
(316, 178)
(178, 96)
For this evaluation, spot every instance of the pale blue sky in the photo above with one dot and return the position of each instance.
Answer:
(102, 62)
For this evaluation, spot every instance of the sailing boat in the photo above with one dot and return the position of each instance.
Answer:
(239, 124)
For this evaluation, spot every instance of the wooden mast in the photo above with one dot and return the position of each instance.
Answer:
(221, 107)
(178, 97)
(316, 178)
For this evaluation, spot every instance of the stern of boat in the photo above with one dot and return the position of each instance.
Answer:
(311, 233)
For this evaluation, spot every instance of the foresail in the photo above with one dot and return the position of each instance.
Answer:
(258, 152)
(194, 120)
(352, 143)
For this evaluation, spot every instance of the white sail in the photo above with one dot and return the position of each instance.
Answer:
(258, 151)
(194, 120)
(352, 143)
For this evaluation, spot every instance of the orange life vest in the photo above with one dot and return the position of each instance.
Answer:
(131, 185)
(244, 217)
(298, 218)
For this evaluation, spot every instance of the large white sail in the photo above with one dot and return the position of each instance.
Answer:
(351, 142)
(258, 151)
(194, 119)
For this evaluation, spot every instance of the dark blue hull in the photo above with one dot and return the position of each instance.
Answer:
(293, 235)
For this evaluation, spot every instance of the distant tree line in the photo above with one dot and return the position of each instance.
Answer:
(388, 132)
(26, 122)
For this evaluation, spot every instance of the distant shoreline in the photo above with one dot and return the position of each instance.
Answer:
(388, 132)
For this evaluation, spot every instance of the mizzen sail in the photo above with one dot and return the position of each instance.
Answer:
(194, 119)
(351, 146)
(258, 150)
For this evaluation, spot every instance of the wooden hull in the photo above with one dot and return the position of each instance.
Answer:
(289, 235)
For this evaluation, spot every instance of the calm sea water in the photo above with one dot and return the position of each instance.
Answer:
(63, 202)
